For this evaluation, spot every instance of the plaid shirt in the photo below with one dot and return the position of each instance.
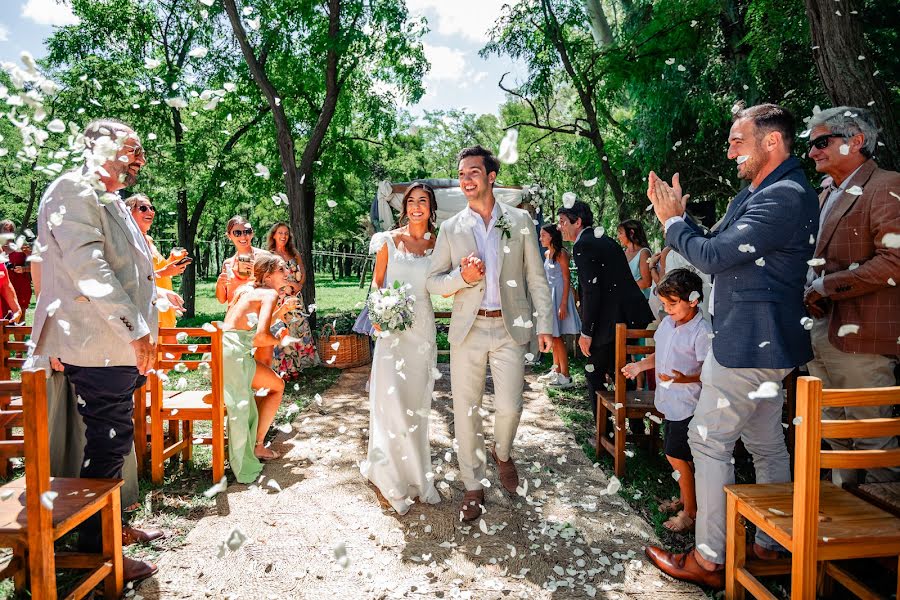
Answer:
(861, 273)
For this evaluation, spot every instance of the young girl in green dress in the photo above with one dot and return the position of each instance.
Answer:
(247, 351)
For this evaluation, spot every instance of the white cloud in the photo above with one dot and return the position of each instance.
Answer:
(448, 64)
(49, 12)
(4, 33)
(470, 19)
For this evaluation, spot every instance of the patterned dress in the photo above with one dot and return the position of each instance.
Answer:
(290, 360)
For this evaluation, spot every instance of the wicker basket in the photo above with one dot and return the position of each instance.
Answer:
(352, 349)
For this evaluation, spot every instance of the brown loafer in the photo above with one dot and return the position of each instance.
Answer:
(133, 535)
(685, 567)
(137, 570)
(509, 477)
(473, 500)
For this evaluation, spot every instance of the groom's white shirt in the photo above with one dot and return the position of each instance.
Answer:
(522, 264)
(487, 238)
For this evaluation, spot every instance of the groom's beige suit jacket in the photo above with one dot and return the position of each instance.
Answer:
(524, 291)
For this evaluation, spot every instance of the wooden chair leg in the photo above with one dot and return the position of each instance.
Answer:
(735, 550)
(600, 426)
(187, 436)
(621, 432)
(20, 577)
(111, 517)
(218, 447)
(140, 428)
(157, 444)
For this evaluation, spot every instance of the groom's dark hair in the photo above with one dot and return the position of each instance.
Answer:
(579, 210)
(491, 164)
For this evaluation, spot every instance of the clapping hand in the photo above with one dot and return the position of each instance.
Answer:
(472, 269)
(667, 200)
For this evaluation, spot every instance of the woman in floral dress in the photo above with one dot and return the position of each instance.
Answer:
(291, 359)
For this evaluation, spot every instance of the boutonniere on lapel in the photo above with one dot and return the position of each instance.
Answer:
(504, 226)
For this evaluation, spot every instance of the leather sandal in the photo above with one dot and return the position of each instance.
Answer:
(269, 453)
(680, 522)
(673, 505)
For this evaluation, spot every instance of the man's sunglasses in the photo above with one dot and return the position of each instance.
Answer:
(241, 232)
(146, 207)
(822, 141)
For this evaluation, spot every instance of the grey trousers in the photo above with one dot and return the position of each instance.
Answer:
(67, 437)
(725, 413)
(488, 342)
(843, 370)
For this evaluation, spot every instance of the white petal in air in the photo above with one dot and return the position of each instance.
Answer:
(262, 171)
(509, 152)
(847, 329)
(855, 191)
(568, 199)
(767, 389)
(198, 52)
(589, 182)
(742, 159)
(94, 288)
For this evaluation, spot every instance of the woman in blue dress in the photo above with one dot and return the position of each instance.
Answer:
(565, 317)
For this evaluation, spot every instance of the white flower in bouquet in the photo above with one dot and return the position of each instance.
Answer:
(392, 308)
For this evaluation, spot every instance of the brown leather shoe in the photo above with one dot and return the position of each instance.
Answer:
(685, 567)
(473, 500)
(509, 477)
(133, 535)
(137, 570)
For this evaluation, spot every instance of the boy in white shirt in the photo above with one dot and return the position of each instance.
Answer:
(682, 341)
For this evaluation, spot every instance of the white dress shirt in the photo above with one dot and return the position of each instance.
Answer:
(680, 348)
(487, 238)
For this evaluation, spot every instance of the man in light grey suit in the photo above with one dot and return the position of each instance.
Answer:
(486, 257)
(96, 310)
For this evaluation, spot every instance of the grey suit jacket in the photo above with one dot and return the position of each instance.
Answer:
(522, 264)
(98, 288)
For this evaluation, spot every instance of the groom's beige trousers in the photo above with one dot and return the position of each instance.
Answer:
(487, 343)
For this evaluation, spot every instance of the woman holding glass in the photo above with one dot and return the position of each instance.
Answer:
(237, 270)
(292, 358)
(144, 212)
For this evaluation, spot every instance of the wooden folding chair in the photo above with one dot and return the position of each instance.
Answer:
(625, 404)
(13, 351)
(181, 408)
(37, 510)
(816, 521)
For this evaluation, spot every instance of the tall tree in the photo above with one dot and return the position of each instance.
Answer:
(304, 57)
(843, 58)
(165, 67)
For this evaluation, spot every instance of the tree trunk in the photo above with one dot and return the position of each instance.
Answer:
(849, 81)
(600, 28)
(332, 260)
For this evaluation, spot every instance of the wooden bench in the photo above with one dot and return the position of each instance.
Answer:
(181, 408)
(625, 404)
(37, 510)
(816, 521)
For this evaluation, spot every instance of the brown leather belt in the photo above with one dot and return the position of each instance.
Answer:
(490, 313)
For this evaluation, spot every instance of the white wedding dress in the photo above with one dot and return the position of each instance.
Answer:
(400, 387)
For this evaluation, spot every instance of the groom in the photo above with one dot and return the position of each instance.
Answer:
(486, 257)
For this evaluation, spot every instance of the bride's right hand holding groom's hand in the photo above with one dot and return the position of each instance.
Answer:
(472, 269)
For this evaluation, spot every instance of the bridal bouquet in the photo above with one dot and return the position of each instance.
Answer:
(392, 308)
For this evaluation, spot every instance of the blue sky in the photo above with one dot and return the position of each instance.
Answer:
(459, 78)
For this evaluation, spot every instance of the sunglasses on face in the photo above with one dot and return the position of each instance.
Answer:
(242, 232)
(145, 207)
(822, 141)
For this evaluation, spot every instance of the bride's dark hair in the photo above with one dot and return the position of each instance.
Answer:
(432, 205)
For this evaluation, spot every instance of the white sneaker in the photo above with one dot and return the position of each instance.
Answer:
(561, 382)
(548, 376)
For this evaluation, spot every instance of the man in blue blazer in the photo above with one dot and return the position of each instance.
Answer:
(758, 259)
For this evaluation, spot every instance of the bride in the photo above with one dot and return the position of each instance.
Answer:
(402, 379)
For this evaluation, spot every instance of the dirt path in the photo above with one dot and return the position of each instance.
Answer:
(567, 539)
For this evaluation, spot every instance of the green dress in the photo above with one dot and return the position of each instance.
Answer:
(239, 366)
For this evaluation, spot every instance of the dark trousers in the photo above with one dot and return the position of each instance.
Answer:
(603, 358)
(106, 404)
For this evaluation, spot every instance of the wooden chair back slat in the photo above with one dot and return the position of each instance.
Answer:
(191, 348)
(860, 459)
(12, 448)
(862, 397)
(861, 428)
(167, 364)
(639, 349)
(198, 332)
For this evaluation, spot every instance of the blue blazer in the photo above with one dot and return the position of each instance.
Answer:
(757, 258)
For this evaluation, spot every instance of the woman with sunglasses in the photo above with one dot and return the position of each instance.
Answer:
(144, 212)
(237, 270)
(291, 359)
